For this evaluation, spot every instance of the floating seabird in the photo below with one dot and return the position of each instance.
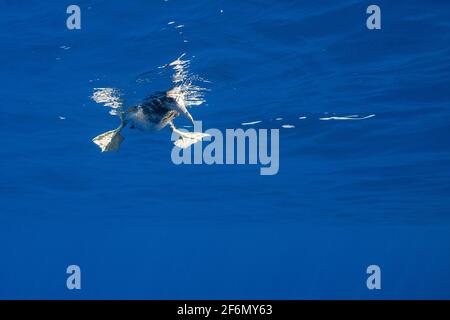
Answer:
(155, 112)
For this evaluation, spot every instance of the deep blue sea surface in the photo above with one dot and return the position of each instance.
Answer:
(349, 193)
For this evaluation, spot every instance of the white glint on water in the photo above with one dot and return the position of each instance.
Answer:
(109, 97)
(351, 117)
(250, 123)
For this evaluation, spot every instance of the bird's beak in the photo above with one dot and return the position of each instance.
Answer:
(180, 106)
(188, 115)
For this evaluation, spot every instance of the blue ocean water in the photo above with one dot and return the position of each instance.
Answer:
(348, 194)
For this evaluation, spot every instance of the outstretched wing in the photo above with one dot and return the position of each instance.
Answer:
(109, 97)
